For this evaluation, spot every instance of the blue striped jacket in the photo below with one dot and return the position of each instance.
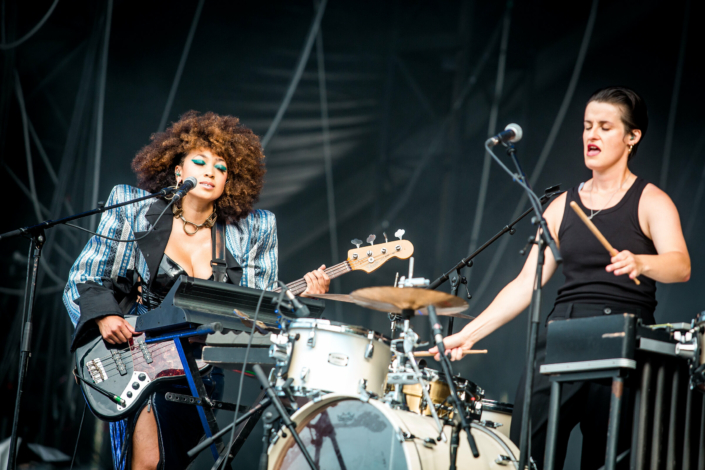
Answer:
(106, 271)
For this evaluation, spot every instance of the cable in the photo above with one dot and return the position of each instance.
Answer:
(222, 461)
(4, 47)
(78, 437)
(117, 239)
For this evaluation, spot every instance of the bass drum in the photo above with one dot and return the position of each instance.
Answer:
(343, 432)
(498, 415)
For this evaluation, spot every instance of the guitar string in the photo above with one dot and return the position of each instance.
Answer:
(333, 273)
(109, 373)
(139, 364)
(336, 270)
(112, 365)
(339, 268)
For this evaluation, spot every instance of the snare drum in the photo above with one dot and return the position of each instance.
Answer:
(343, 432)
(469, 393)
(329, 357)
(497, 415)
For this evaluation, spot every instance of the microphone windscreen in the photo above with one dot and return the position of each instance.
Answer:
(518, 133)
(190, 182)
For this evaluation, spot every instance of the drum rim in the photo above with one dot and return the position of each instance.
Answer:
(494, 405)
(328, 399)
(337, 327)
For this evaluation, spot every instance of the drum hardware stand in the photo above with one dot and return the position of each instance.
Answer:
(454, 442)
(283, 415)
(208, 441)
(36, 233)
(454, 288)
(445, 362)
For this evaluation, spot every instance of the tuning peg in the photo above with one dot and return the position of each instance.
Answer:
(356, 242)
(386, 240)
(399, 233)
(371, 239)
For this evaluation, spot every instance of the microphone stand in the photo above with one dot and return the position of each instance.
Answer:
(544, 240)
(549, 194)
(445, 363)
(37, 236)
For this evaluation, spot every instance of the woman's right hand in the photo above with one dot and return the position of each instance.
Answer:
(455, 345)
(115, 329)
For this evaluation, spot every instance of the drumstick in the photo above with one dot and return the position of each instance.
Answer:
(596, 232)
(465, 353)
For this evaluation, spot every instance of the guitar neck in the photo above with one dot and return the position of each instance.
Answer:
(297, 287)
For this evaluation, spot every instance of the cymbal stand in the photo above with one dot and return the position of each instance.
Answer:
(410, 342)
(458, 408)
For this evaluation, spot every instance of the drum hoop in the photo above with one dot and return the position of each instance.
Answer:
(498, 406)
(336, 327)
(324, 402)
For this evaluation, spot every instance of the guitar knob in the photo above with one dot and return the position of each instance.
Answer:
(356, 242)
(371, 239)
(399, 233)
(142, 377)
(129, 394)
(135, 385)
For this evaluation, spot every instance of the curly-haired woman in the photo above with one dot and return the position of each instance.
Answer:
(111, 279)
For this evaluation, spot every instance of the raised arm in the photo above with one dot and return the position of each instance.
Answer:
(514, 298)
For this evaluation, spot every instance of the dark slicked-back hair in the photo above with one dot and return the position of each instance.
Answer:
(633, 107)
(222, 135)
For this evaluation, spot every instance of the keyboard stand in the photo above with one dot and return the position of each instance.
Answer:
(617, 369)
(193, 376)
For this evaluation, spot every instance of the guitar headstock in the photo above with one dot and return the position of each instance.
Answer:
(369, 258)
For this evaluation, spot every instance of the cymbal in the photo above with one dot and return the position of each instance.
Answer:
(393, 299)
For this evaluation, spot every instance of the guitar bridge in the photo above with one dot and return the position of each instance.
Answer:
(97, 371)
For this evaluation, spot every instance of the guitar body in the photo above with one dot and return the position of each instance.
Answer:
(131, 373)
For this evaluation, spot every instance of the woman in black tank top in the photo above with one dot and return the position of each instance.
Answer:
(638, 219)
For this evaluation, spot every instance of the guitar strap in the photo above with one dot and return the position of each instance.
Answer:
(218, 263)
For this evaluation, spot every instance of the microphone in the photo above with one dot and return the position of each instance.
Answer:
(436, 328)
(188, 184)
(299, 309)
(511, 133)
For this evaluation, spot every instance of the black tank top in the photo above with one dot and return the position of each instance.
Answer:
(585, 259)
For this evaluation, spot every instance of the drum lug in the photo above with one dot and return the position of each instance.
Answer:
(311, 341)
(362, 390)
(303, 375)
(503, 460)
(370, 351)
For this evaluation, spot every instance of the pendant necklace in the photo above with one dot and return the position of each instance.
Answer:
(593, 214)
(209, 222)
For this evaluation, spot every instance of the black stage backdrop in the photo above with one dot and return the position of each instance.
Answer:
(413, 89)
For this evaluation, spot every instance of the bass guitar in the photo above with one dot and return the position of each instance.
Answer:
(116, 379)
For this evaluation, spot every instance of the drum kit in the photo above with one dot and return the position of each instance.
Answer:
(363, 401)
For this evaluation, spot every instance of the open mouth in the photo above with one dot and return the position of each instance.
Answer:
(592, 150)
(207, 185)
